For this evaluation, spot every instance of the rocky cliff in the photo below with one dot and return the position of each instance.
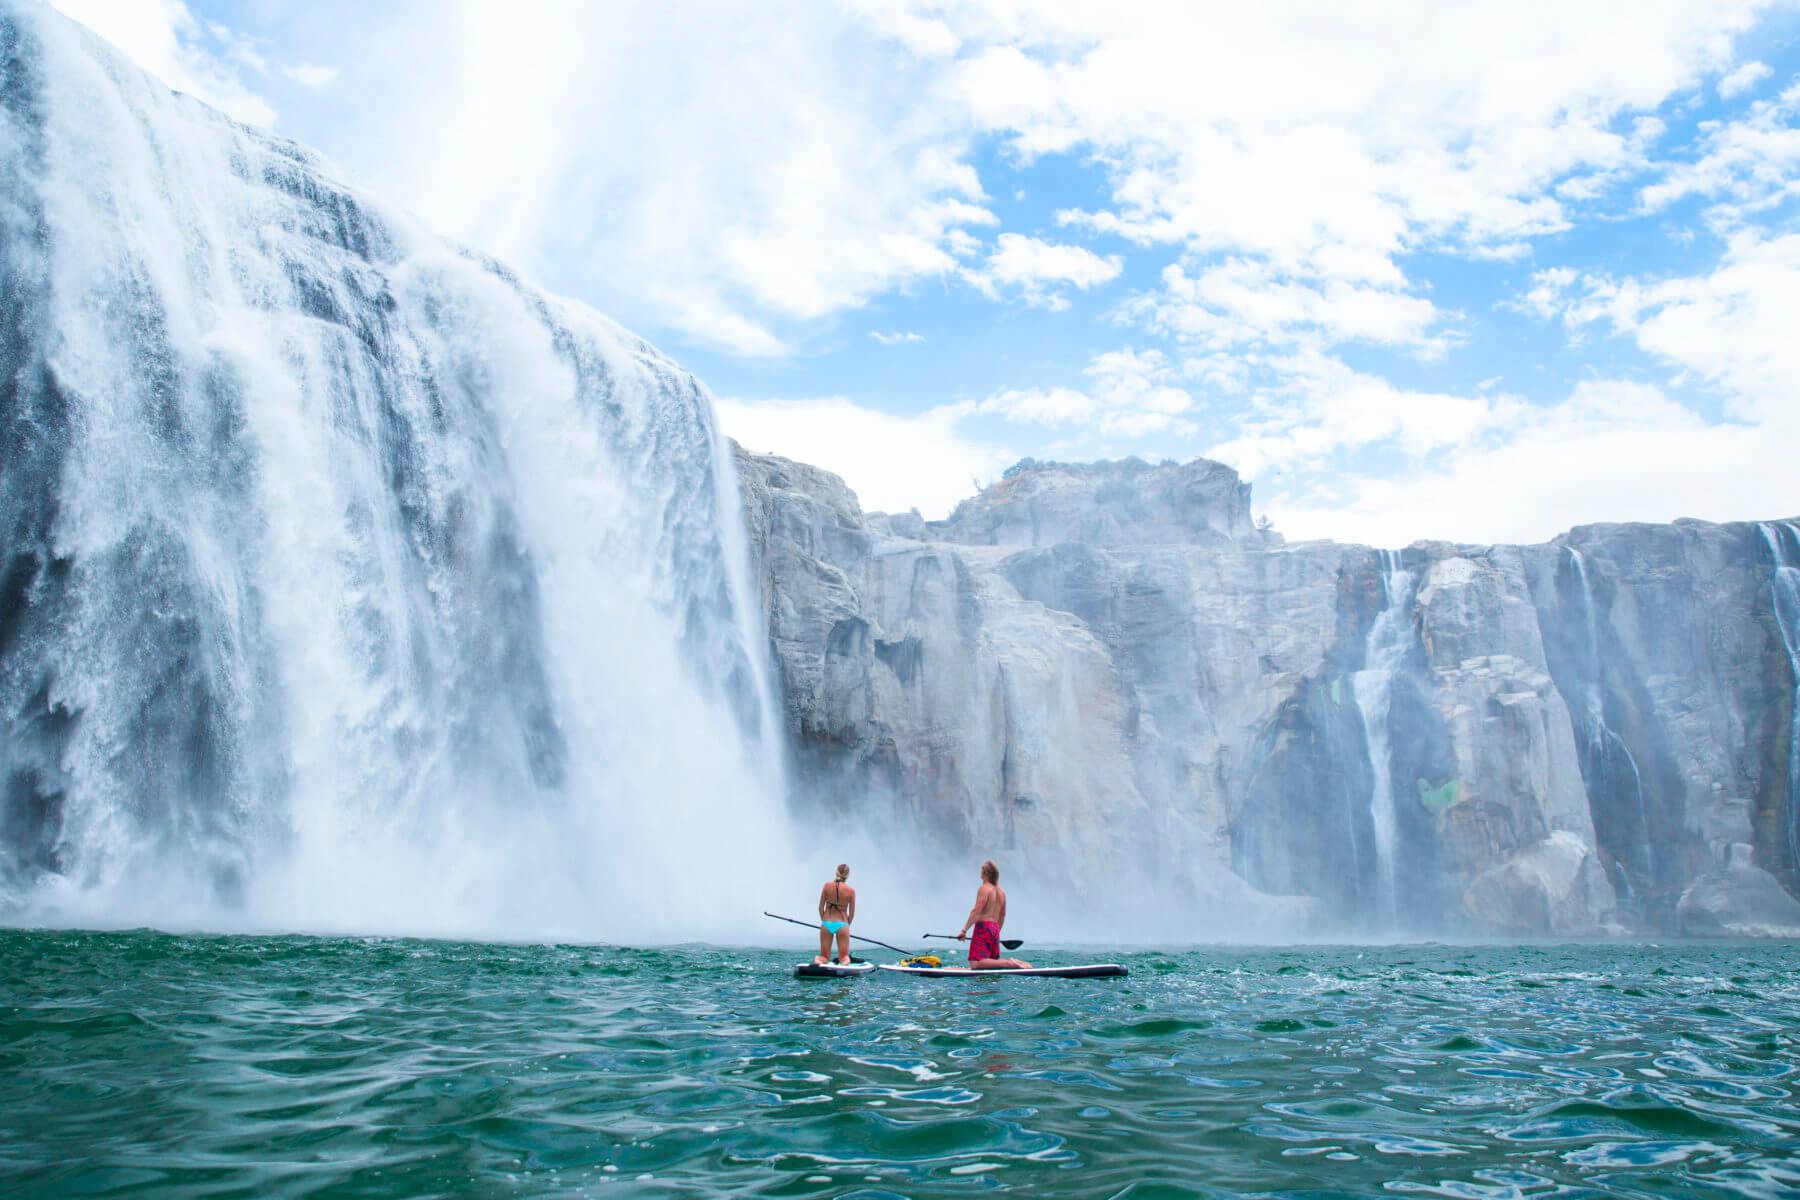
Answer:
(1109, 675)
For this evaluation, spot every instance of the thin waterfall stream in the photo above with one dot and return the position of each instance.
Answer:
(1391, 638)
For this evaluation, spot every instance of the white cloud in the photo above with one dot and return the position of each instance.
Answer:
(1293, 156)
(1285, 130)
(1744, 78)
(895, 463)
(1732, 327)
(1241, 301)
(1042, 406)
(1513, 251)
(1138, 395)
(1615, 451)
(1296, 165)
(163, 38)
(923, 35)
(892, 463)
(1131, 394)
(311, 75)
(1488, 466)
(1038, 269)
(642, 158)
(1748, 165)
(1321, 408)
(1317, 145)
(1549, 293)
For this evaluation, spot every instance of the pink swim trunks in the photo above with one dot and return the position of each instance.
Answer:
(985, 943)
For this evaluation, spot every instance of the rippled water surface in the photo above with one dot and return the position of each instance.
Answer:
(142, 1063)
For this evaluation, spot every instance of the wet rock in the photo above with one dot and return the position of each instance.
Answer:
(1739, 899)
(1553, 886)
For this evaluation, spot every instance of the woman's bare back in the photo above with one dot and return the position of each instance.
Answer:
(837, 899)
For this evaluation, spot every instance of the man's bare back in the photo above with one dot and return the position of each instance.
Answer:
(990, 904)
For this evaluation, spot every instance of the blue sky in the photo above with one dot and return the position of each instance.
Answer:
(1478, 272)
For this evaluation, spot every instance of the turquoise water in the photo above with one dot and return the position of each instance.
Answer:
(149, 1064)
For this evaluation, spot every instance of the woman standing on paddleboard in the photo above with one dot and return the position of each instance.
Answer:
(837, 908)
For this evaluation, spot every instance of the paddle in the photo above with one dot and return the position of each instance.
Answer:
(857, 936)
(1009, 943)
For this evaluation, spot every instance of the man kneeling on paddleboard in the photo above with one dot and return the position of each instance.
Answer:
(988, 917)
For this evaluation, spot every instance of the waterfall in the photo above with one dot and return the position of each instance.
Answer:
(1783, 541)
(347, 581)
(1602, 748)
(1390, 639)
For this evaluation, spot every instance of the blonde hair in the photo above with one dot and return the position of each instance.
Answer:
(990, 872)
(843, 872)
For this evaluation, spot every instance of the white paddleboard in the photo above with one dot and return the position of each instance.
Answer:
(1084, 971)
(809, 970)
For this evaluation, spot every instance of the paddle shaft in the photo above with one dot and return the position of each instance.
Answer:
(1009, 943)
(859, 937)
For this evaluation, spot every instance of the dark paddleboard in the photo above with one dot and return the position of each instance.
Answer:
(1085, 971)
(832, 970)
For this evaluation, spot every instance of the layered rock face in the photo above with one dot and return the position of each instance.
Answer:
(1110, 676)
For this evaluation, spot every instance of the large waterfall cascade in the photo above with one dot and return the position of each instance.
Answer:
(1391, 639)
(351, 583)
(1783, 542)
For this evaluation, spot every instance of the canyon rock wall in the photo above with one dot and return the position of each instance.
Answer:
(1109, 675)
